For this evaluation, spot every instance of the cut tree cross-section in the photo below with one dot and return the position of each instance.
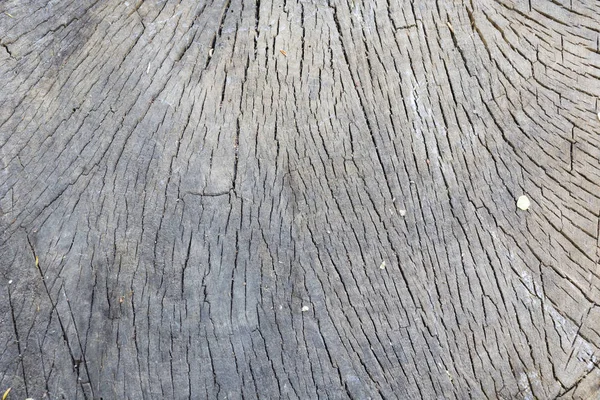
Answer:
(300, 199)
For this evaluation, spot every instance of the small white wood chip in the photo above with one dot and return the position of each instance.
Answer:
(382, 266)
(305, 308)
(402, 212)
(523, 203)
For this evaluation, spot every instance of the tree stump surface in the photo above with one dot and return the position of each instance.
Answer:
(304, 199)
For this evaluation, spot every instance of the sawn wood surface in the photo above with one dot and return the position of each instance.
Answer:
(252, 199)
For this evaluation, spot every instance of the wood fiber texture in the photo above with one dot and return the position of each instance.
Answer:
(299, 199)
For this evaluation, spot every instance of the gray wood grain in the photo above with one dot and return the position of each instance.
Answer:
(299, 199)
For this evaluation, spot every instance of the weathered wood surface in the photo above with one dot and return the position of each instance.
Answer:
(197, 199)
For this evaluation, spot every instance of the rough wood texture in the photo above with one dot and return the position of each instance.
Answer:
(299, 199)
